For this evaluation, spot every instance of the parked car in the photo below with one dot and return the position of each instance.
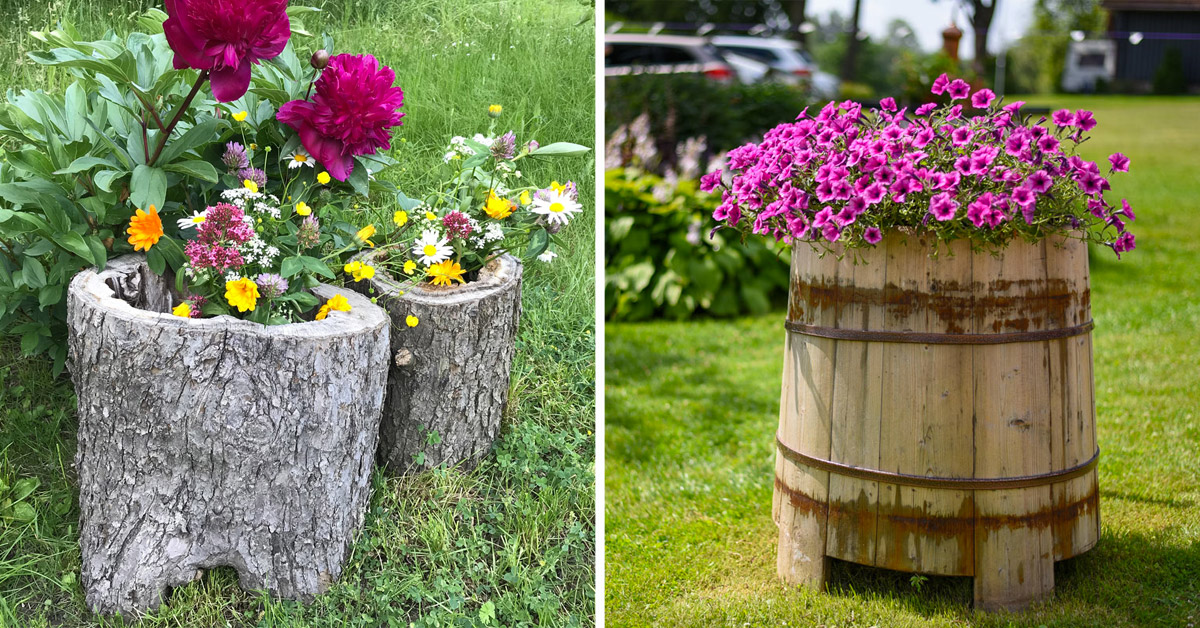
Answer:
(784, 56)
(667, 54)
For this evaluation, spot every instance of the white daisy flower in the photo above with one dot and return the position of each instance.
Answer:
(193, 221)
(431, 248)
(548, 256)
(556, 206)
(299, 158)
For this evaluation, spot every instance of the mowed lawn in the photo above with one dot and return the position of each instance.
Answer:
(510, 543)
(691, 409)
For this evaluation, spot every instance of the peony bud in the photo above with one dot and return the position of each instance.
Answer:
(320, 59)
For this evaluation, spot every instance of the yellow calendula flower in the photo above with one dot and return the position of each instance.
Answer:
(410, 267)
(525, 198)
(400, 218)
(302, 209)
(145, 229)
(338, 303)
(497, 207)
(364, 235)
(250, 185)
(241, 116)
(444, 272)
(242, 294)
(558, 187)
(359, 270)
(412, 321)
(495, 111)
(323, 178)
(183, 310)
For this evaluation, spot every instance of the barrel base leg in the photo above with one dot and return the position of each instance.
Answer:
(801, 560)
(1013, 569)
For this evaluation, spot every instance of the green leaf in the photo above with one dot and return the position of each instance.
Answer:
(214, 308)
(156, 261)
(196, 169)
(148, 188)
(50, 294)
(305, 300)
(30, 341)
(291, 266)
(560, 149)
(24, 488)
(23, 513)
(75, 243)
(359, 180)
(105, 178)
(99, 253)
(203, 133)
(317, 266)
(87, 162)
(406, 203)
(538, 241)
(33, 273)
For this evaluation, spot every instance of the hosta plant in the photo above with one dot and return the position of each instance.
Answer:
(971, 168)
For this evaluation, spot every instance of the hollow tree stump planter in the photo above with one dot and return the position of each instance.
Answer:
(938, 415)
(449, 375)
(217, 442)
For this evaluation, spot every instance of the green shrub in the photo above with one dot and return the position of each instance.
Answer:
(1169, 79)
(682, 106)
(661, 262)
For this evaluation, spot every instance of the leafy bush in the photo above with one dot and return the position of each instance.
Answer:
(1169, 78)
(661, 263)
(681, 106)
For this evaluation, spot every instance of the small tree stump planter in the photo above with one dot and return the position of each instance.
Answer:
(938, 415)
(449, 374)
(217, 442)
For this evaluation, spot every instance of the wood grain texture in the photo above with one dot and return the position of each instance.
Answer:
(450, 374)
(942, 410)
(218, 442)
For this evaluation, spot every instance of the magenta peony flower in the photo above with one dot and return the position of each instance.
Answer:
(226, 38)
(351, 113)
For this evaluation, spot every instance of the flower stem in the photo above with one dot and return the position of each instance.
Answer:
(187, 102)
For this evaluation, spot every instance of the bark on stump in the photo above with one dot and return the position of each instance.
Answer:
(450, 373)
(217, 442)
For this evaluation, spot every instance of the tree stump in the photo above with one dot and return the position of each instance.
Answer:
(449, 377)
(217, 442)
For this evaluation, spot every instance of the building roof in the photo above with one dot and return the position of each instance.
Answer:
(1151, 5)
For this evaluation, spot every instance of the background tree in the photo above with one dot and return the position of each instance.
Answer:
(849, 69)
(1037, 60)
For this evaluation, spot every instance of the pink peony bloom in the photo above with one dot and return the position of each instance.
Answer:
(226, 38)
(351, 113)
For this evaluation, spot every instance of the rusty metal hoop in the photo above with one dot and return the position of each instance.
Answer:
(868, 335)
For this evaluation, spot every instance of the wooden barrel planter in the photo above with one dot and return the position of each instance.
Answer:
(938, 415)
(217, 442)
(449, 378)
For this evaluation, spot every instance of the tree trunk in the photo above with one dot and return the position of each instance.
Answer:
(217, 442)
(981, 23)
(449, 377)
(850, 62)
(796, 15)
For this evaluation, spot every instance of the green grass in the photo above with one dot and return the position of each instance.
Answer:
(515, 536)
(690, 410)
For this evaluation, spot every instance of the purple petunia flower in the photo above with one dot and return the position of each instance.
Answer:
(872, 235)
(1048, 144)
(226, 39)
(958, 89)
(1039, 182)
(1063, 118)
(351, 113)
(982, 98)
(1127, 210)
(939, 84)
(961, 136)
(710, 181)
(943, 206)
(926, 108)
(831, 232)
(888, 104)
(1124, 243)
(1120, 163)
(1085, 120)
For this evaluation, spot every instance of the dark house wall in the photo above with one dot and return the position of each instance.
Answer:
(1138, 63)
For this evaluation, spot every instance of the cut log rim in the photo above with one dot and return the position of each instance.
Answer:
(872, 335)
(500, 273)
(961, 484)
(94, 285)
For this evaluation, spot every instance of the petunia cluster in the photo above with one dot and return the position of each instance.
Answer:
(971, 168)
